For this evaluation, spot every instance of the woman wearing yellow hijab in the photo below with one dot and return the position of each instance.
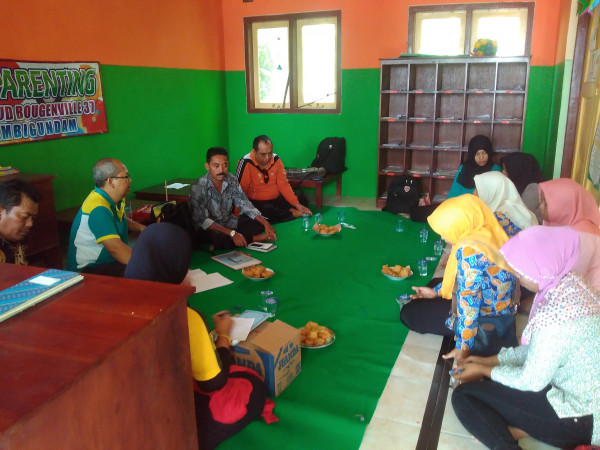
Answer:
(476, 271)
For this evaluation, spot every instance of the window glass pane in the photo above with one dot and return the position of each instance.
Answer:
(317, 65)
(272, 65)
(440, 33)
(506, 26)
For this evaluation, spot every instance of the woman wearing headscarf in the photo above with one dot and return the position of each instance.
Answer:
(476, 279)
(563, 202)
(549, 386)
(501, 196)
(524, 171)
(226, 397)
(479, 160)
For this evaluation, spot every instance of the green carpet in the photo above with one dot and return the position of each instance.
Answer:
(336, 282)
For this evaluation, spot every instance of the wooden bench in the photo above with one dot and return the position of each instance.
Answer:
(318, 185)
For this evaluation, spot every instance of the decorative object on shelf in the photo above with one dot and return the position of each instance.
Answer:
(485, 47)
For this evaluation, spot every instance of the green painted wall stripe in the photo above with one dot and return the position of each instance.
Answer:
(296, 136)
(161, 121)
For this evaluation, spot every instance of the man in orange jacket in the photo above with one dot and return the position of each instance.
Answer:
(262, 177)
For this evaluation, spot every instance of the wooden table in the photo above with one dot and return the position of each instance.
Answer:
(43, 247)
(157, 192)
(103, 364)
(318, 184)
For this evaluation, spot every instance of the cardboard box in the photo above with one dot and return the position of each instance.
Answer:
(273, 351)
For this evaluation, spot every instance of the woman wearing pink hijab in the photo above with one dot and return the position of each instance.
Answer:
(548, 386)
(563, 202)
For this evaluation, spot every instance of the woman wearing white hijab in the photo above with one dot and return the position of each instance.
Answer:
(502, 197)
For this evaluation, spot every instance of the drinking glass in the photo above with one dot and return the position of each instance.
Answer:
(305, 222)
(422, 264)
(264, 295)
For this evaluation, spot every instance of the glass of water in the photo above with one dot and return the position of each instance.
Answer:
(422, 264)
(399, 226)
(341, 217)
(438, 248)
(423, 234)
(305, 222)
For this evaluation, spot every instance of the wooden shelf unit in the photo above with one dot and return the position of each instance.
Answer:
(430, 107)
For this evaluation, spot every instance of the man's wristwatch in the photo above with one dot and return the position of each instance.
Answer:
(232, 233)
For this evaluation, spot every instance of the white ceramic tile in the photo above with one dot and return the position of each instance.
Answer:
(453, 442)
(415, 362)
(384, 434)
(450, 423)
(530, 443)
(403, 400)
(431, 341)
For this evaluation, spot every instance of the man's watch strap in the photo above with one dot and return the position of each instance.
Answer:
(232, 233)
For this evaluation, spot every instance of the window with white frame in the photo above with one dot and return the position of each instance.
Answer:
(293, 63)
(454, 29)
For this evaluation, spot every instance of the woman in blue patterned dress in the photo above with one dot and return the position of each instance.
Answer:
(475, 273)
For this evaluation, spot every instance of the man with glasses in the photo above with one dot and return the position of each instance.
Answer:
(212, 201)
(18, 209)
(262, 177)
(98, 240)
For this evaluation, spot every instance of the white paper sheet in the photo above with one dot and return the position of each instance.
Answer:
(44, 281)
(203, 281)
(240, 329)
(177, 185)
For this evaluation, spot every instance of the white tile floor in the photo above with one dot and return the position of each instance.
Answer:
(396, 422)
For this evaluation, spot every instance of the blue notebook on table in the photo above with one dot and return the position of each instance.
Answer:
(27, 293)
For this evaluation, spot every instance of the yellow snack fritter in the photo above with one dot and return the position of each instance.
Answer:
(257, 271)
(313, 334)
(396, 271)
(324, 229)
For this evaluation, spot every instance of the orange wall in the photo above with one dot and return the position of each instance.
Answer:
(194, 34)
(564, 14)
(184, 34)
(372, 30)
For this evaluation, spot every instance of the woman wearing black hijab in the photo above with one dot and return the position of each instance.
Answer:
(524, 171)
(479, 160)
(226, 397)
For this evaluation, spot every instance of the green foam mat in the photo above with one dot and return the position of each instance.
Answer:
(337, 282)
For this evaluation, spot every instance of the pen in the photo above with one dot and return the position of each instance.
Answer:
(166, 192)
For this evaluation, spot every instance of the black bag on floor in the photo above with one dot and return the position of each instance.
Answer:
(331, 154)
(173, 212)
(403, 195)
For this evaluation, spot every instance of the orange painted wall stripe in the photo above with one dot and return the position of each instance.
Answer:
(372, 31)
(192, 34)
(184, 34)
(564, 15)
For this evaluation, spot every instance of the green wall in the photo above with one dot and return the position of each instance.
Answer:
(160, 122)
(541, 99)
(296, 136)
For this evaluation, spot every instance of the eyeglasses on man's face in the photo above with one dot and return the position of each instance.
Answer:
(126, 177)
